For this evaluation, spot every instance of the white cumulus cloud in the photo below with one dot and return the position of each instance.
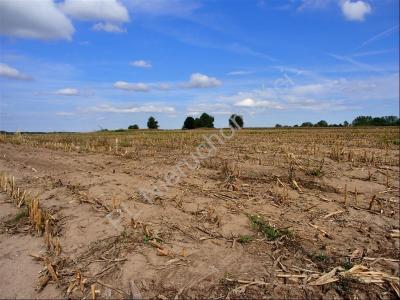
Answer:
(12, 73)
(136, 87)
(355, 11)
(92, 10)
(141, 64)
(36, 19)
(68, 92)
(249, 102)
(198, 80)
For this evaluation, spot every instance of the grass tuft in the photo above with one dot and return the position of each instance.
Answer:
(270, 232)
(244, 239)
(321, 257)
(23, 213)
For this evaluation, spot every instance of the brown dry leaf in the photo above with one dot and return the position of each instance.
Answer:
(366, 275)
(71, 287)
(162, 252)
(171, 261)
(51, 270)
(297, 186)
(93, 291)
(356, 254)
(155, 244)
(184, 252)
(42, 282)
(328, 277)
(396, 287)
(361, 273)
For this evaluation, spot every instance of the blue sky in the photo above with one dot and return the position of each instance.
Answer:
(82, 65)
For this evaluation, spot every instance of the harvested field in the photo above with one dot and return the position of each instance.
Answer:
(275, 213)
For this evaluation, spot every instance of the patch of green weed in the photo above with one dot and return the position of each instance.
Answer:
(270, 232)
(244, 239)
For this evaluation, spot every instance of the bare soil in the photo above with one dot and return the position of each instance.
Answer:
(200, 239)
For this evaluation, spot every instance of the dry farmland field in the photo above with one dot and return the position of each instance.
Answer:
(275, 213)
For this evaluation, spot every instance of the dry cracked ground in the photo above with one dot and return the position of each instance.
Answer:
(273, 214)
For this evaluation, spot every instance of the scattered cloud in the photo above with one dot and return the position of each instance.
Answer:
(65, 114)
(161, 86)
(308, 89)
(141, 64)
(379, 36)
(136, 87)
(239, 73)
(95, 10)
(249, 102)
(314, 4)
(327, 94)
(68, 92)
(211, 108)
(355, 10)
(198, 80)
(35, 19)
(131, 109)
(108, 27)
(361, 66)
(12, 73)
(373, 53)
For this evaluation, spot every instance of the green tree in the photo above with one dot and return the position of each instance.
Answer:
(189, 123)
(278, 126)
(307, 124)
(152, 123)
(391, 120)
(322, 123)
(378, 122)
(135, 126)
(345, 124)
(205, 121)
(362, 121)
(236, 121)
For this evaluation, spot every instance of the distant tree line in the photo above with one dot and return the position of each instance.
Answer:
(236, 121)
(359, 121)
(377, 121)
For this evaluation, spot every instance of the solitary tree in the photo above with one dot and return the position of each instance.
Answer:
(189, 123)
(345, 124)
(135, 126)
(236, 121)
(152, 123)
(278, 126)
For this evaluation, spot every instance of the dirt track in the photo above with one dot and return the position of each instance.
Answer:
(197, 240)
